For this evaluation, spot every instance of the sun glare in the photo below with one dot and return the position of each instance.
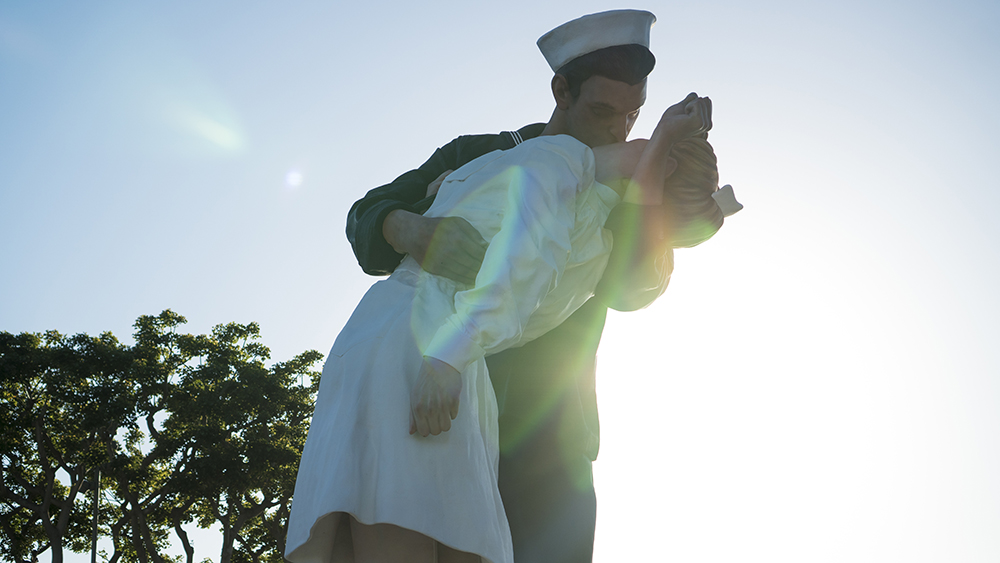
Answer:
(220, 135)
(293, 179)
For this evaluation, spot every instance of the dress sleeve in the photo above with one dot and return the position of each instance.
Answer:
(524, 260)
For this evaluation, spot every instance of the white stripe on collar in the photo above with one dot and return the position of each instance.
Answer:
(517, 137)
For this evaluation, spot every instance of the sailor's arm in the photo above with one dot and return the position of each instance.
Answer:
(387, 224)
(446, 246)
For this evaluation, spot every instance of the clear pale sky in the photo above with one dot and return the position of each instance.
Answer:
(819, 383)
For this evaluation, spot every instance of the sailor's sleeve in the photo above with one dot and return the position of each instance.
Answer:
(364, 221)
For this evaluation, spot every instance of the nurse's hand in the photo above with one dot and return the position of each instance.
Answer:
(445, 246)
(433, 187)
(434, 398)
(691, 117)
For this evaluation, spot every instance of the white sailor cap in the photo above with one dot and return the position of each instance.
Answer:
(595, 31)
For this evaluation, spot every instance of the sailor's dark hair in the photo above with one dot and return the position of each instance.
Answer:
(625, 63)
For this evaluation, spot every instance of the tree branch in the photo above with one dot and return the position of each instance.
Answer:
(21, 501)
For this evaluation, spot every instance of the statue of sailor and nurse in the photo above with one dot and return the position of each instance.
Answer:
(456, 419)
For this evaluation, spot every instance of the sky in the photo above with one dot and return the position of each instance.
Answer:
(820, 381)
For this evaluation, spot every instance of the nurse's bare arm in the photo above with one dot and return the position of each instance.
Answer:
(642, 257)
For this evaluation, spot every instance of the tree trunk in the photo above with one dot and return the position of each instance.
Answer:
(57, 550)
(228, 536)
(188, 548)
(137, 541)
(50, 477)
(116, 540)
(177, 515)
(64, 512)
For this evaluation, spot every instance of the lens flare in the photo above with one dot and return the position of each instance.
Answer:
(222, 135)
(293, 178)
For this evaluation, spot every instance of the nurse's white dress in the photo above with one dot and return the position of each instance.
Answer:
(543, 214)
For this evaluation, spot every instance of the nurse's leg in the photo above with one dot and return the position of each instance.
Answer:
(449, 555)
(386, 543)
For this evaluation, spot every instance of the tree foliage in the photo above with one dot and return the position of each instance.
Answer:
(186, 430)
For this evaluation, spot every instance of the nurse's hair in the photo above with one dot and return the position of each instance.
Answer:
(689, 193)
(625, 63)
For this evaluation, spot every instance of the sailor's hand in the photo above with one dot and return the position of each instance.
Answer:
(445, 246)
(433, 187)
(690, 117)
(434, 398)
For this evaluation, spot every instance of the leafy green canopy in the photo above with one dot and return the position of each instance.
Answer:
(186, 430)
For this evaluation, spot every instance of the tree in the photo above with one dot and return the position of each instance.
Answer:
(186, 429)
(63, 399)
(242, 426)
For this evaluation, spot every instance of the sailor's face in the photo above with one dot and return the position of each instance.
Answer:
(605, 111)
